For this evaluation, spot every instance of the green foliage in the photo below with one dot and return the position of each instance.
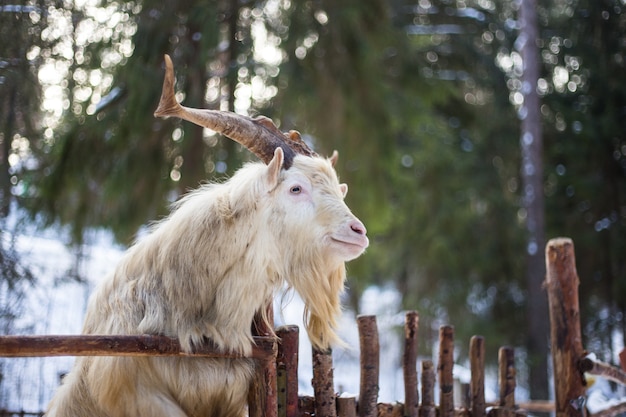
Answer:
(352, 81)
(21, 27)
(113, 164)
(461, 243)
(20, 91)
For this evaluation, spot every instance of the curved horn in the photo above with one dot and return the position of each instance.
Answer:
(260, 135)
(334, 158)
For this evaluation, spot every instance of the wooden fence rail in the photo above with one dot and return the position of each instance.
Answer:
(274, 392)
(265, 351)
(265, 348)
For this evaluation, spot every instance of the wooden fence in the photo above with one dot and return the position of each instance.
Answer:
(274, 393)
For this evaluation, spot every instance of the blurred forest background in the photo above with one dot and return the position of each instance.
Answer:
(425, 100)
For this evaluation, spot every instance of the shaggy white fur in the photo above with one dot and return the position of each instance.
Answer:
(202, 273)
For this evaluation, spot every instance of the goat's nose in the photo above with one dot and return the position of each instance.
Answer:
(358, 227)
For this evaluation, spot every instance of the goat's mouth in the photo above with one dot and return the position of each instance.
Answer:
(360, 241)
(349, 246)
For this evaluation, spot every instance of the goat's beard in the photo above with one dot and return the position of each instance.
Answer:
(322, 298)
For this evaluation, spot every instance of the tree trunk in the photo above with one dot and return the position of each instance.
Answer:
(7, 137)
(533, 201)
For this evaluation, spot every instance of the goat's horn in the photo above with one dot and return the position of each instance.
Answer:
(259, 135)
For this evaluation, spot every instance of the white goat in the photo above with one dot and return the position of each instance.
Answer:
(204, 271)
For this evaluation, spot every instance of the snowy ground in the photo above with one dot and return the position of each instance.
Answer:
(57, 303)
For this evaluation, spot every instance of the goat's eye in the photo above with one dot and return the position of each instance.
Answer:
(296, 189)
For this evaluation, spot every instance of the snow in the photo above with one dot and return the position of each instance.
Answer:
(54, 305)
(376, 301)
(600, 397)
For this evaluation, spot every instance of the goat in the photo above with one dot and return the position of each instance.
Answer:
(210, 266)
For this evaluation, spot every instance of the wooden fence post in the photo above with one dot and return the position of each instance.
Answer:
(506, 384)
(565, 334)
(346, 406)
(390, 410)
(287, 371)
(409, 362)
(428, 409)
(262, 398)
(477, 382)
(506, 378)
(323, 384)
(444, 368)
(370, 365)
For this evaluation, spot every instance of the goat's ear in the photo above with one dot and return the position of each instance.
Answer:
(344, 189)
(273, 169)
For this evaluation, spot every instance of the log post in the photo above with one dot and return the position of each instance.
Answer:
(506, 377)
(287, 371)
(323, 384)
(428, 409)
(444, 368)
(477, 382)
(409, 364)
(390, 410)
(262, 397)
(306, 406)
(370, 364)
(565, 334)
(346, 406)
(506, 384)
